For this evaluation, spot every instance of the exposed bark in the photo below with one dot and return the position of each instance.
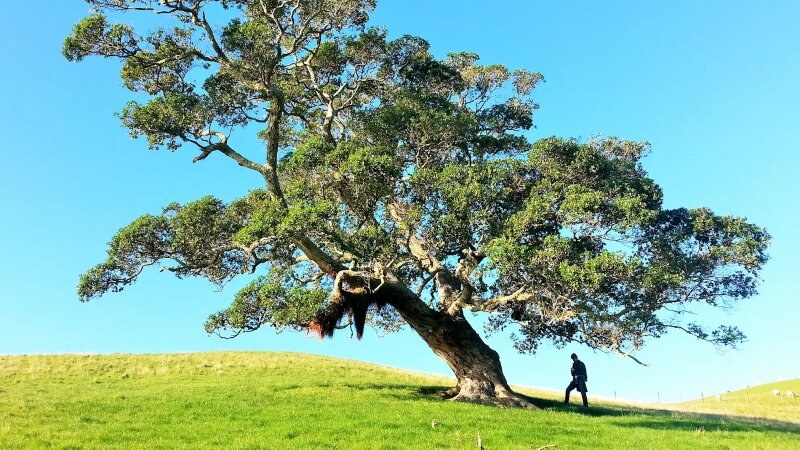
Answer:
(476, 366)
(273, 145)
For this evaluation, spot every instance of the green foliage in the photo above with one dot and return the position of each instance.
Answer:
(262, 217)
(386, 159)
(370, 172)
(592, 239)
(230, 100)
(166, 120)
(199, 225)
(93, 35)
(470, 203)
(134, 246)
(164, 68)
(309, 217)
(202, 238)
(272, 300)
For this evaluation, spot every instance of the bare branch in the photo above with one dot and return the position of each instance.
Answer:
(226, 150)
(638, 361)
(211, 37)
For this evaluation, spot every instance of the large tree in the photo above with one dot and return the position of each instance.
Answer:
(399, 189)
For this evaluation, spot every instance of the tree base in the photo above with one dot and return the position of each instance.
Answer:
(502, 398)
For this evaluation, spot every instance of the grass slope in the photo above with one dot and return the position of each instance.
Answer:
(294, 401)
(757, 401)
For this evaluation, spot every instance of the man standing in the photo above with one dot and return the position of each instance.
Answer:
(579, 380)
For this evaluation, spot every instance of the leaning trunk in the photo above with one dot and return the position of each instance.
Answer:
(476, 366)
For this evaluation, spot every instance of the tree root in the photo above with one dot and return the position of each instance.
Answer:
(449, 393)
(506, 399)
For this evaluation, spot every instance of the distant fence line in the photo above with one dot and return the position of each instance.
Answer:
(721, 397)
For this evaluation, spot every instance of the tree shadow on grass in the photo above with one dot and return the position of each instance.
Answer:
(577, 408)
(709, 424)
(435, 393)
(684, 420)
(411, 388)
(430, 391)
(660, 419)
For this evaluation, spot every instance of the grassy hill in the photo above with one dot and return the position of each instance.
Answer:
(294, 401)
(757, 401)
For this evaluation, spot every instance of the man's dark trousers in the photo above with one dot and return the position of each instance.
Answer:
(578, 383)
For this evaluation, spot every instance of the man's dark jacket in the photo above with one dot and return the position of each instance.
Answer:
(579, 369)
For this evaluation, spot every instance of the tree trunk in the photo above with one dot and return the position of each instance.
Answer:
(476, 366)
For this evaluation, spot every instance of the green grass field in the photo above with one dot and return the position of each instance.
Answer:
(294, 401)
(757, 401)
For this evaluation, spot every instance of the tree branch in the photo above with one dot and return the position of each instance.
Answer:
(446, 283)
(211, 37)
(226, 150)
(273, 145)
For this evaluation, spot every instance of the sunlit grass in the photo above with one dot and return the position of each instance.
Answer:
(757, 401)
(288, 401)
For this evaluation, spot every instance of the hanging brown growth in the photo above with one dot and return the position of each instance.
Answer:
(353, 294)
(325, 322)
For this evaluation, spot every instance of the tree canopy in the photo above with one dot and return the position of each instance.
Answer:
(398, 186)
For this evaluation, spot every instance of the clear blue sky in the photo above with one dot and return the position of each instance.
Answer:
(713, 85)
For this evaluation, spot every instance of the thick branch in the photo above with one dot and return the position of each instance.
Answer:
(273, 145)
(211, 37)
(226, 150)
(324, 261)
(446, 283)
